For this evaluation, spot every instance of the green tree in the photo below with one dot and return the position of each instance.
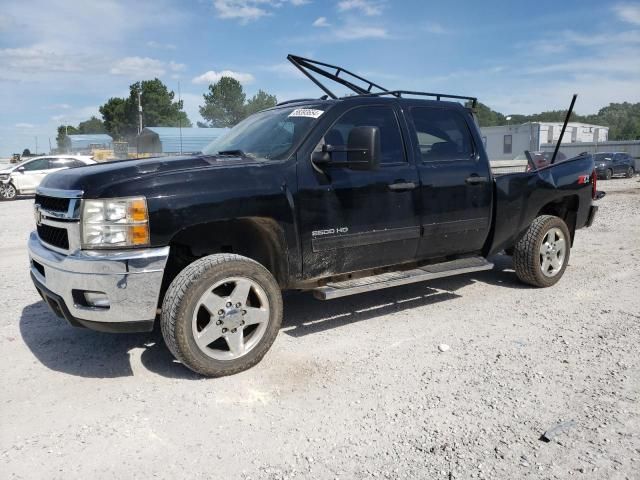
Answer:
(260, 101)
(159, 109)
(115, 118)
(224, 104)
(488, 117)
(158, 106)
(63, 131)
(26, 152)
(93, 125)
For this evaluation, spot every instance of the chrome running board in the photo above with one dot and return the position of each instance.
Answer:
(392, 279)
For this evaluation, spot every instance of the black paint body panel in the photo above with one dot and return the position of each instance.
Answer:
(441, 216)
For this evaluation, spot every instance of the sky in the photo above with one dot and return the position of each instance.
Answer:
(61, 59)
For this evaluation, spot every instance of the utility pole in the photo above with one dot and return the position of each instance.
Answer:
(36, 144)
(180, 116)
(139, 111)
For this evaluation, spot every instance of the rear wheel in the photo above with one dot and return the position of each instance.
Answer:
(542, 253)
(608, 174)
(8, 192)
(221, 314)
(630, 172)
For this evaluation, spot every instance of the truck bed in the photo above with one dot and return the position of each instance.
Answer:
(521, 197)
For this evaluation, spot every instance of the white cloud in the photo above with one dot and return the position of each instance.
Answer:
(58, 106)
(359, 32)
(613, 63)
(436, 28)
(25, 125)
(160, 46)
(321, 22)
(282, 69)
(367, 7)
(190, 104)
(628, 12)
(246, 11)
(176, 67)
(139, 67)
(18, 62)
(212, 77)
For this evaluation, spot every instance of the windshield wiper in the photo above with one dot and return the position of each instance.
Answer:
(235, 153)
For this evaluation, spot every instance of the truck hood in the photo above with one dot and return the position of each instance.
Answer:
(96, 180)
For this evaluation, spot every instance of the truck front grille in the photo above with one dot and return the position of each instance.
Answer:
(57, 237)
(53, 204)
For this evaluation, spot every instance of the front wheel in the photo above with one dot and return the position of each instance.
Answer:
(542, 253)
(608, 174)
(630, 172)
(8, 192)
(221, 314)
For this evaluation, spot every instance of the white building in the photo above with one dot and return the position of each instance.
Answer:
(506, 142)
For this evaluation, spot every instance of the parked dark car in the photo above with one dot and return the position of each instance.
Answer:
(335, 196)
(609, 164)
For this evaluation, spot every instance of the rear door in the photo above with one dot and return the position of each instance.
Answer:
(61, 164)
(352, 219)
(456, 185)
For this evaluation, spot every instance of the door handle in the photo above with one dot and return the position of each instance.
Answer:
(476, 180)
(402, 186)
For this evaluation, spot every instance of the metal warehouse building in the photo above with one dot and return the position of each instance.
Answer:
(508, 141)
(170, 140)
(87, 143)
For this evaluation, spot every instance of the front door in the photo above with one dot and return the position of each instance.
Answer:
(456, 184)
(27, 177)
(352, 219)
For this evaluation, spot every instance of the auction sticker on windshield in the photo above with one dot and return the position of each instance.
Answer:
(306, 112)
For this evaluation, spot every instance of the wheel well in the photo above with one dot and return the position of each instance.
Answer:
(258, 238)
(565, 208)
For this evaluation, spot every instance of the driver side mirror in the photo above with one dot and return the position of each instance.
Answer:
(363, 151)
(20, 169)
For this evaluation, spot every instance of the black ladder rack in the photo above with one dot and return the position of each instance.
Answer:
(306, 66)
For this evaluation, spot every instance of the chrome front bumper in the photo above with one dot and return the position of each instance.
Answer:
(131, 280)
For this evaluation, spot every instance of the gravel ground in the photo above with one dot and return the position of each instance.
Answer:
(353, 388)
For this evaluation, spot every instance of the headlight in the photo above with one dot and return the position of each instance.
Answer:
(116, 222)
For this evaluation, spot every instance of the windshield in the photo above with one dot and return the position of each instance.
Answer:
(602, 157)
(268, 135)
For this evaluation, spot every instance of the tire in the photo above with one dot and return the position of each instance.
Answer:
(608, 174)
(8, 192)
(541, 263)
(217, 282)
(630, 172)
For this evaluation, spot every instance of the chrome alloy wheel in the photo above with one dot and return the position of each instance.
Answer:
(8, 191)
(552, 252)
(230, 318)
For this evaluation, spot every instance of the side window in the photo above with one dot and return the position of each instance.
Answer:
(39, 164)
(442, 134)
(61, 163)
(380, 116)
(508, 144)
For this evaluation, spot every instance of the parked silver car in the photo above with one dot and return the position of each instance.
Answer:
(24, 178)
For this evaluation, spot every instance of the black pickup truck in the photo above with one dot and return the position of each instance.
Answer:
(335, 195)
